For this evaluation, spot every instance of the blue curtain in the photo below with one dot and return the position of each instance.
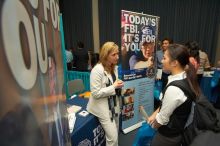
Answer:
(77, 22)
(109, 21)
(180, 20)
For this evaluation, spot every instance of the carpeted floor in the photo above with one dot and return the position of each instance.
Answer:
(208, 139)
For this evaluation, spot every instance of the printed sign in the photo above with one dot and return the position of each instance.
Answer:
(139, 34)
(31, 93)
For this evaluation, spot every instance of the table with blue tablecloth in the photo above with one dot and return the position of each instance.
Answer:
(208, 85)
(87, 130)
(208, 88)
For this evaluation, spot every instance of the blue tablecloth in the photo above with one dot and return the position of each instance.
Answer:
(206, 87)
(87, 130)
(209, 85)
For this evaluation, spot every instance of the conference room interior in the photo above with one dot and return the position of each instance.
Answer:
(180, 20)
(45, 103)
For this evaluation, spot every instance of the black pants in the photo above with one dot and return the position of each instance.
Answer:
(160, 140)
(69, 66)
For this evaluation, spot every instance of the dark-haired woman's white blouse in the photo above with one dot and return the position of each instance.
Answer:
(173, 98)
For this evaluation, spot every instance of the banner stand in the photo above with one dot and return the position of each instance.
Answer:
(139, 33)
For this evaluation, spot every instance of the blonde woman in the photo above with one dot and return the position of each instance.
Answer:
(104, 84)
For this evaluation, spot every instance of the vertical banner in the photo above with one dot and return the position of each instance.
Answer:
(139, 34)
(32, 100)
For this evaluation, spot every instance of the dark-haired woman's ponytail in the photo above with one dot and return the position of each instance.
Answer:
(192, 79)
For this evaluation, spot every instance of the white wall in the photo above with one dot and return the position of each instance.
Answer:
(217, 57)
(95, 19)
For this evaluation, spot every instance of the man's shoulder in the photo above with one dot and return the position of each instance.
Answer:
(202, 54)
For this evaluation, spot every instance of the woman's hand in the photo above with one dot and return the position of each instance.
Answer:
(118, 84)
(151, 119)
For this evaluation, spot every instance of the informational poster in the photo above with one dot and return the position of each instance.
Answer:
(32, 100)
(139, 33)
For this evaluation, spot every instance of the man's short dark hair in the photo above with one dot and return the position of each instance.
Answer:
(168, 39)
(80, 44)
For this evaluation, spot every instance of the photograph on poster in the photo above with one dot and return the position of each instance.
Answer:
(150, 72)
(128, 100)
(128, 112)
(128, 108)
(138, 40)
(144, 58)
(128, 91)
(128, 103)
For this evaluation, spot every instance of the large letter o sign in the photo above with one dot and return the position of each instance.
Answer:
(14, 13)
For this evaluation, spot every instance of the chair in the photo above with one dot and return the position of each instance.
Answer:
(75, 86)
(85, 76)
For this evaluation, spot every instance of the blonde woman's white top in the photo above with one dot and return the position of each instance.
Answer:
(98, 101)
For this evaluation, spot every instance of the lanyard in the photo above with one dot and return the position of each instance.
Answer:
(112, 99)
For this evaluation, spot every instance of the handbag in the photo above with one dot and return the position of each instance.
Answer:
(144, 135)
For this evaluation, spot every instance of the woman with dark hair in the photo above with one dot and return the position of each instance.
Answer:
(193, 48)
(171, 117)
(198, 58)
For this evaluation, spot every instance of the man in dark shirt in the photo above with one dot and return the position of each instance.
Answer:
(81, 57)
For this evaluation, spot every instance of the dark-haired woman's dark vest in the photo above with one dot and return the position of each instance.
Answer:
(177, 120)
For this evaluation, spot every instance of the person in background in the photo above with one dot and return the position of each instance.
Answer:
(218, 64)
(159, 54)
(81, 57)
(105, 91)
(171, 117)
(203, 64)
(145, 59)
(69, 59)
(193, 48)
(94, 59)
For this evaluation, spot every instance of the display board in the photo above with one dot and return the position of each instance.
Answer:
(138, 65)
(32, 100)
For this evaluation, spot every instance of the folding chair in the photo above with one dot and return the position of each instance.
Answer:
(75, 86)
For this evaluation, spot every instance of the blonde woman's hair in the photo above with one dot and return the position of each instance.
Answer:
(104, 52)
